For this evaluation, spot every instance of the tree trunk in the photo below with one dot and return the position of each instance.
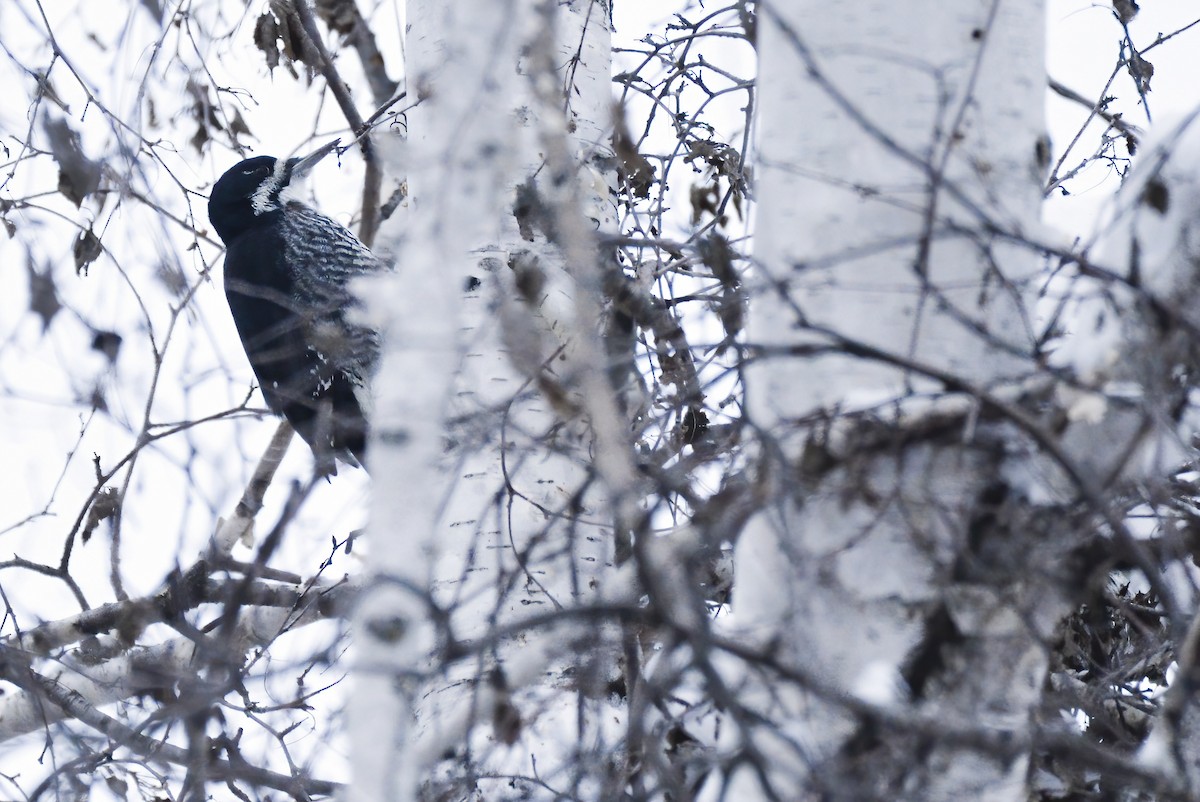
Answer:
(896, 560)
(486, 515)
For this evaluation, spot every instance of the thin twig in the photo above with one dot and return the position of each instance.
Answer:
(372, 178)
(1115, 120)
(75, 705)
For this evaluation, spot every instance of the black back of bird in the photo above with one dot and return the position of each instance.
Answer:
(288, 270)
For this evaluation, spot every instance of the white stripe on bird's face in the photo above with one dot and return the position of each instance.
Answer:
(266, 197)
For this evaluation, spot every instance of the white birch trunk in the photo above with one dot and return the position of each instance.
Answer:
(894, 139)
(484, 511)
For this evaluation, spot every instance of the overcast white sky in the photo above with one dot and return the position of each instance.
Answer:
(1083, 44)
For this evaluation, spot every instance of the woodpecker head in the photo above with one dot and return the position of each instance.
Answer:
(255, 187)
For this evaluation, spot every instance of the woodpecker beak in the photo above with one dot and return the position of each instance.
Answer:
(303, 165)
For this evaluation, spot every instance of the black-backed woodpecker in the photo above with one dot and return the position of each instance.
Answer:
(288, 271)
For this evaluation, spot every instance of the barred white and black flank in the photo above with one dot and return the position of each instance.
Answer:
(288, 270)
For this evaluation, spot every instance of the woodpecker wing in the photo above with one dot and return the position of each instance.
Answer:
(341, 354)
(313, 362)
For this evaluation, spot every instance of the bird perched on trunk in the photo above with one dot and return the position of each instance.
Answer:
(288, 270)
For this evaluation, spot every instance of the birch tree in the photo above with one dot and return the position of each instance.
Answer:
(898, 181)
(936, 508)
(503, 462)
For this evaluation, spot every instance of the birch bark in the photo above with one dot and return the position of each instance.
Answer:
(896, 143)
(487, 510)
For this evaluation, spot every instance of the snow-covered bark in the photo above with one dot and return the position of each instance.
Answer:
(897, 170)
(487, 515)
